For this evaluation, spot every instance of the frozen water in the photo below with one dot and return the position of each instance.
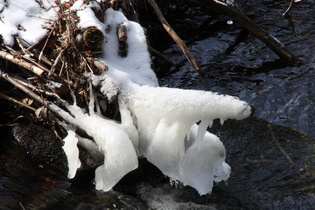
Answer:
(72, 153)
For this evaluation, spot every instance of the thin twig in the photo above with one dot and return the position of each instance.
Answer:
(238, 16)
(52, 107)
(33, 66)
(17, 102)
(27, 56)
(12, 122)
(176, 38)
(278, 145)
(161, 56)
(264, 160)
(21, 46)
(52, 69)
(89, 145)
(21, 205)
(289, 8)
(47, 39)
(34, 88)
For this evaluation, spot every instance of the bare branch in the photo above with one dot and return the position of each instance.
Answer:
(278, 145)
(176, 38)
(17, 102)
(21, 62)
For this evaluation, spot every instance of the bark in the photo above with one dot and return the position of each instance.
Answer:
(122, 32)
(20, 62)
(93, 38)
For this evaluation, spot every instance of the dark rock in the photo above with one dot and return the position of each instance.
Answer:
(41, 143)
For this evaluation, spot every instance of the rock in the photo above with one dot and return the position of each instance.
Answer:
(41, 143)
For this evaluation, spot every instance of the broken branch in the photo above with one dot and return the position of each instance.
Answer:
(16, 101)
(176, 38)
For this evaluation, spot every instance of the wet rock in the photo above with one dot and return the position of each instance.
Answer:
(27, 182)
(31, 179)
(41, 143)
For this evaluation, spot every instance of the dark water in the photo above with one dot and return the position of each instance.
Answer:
(239, 64)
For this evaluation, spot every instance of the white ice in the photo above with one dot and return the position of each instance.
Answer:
(164, 116)
(72, 153)
(119, 154)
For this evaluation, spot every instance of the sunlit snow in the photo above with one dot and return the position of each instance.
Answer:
(158, 123)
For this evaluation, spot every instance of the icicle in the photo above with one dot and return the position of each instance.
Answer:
(91, 103)
(202, 131)
(188, 131)
(98, 108)
(94, 104)
(127, 122)
(211, 123)
(72, 153)
(222, 120)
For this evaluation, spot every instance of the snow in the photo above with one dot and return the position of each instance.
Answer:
(137, 64)
(25, 19)
(165, 125)
(164, 116)
(87, 16)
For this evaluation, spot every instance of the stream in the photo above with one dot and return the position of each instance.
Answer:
(236, 63)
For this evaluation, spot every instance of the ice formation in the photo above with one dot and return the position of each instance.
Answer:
(119, 154)
(170, 138)
(158, 123)
(72, 152)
